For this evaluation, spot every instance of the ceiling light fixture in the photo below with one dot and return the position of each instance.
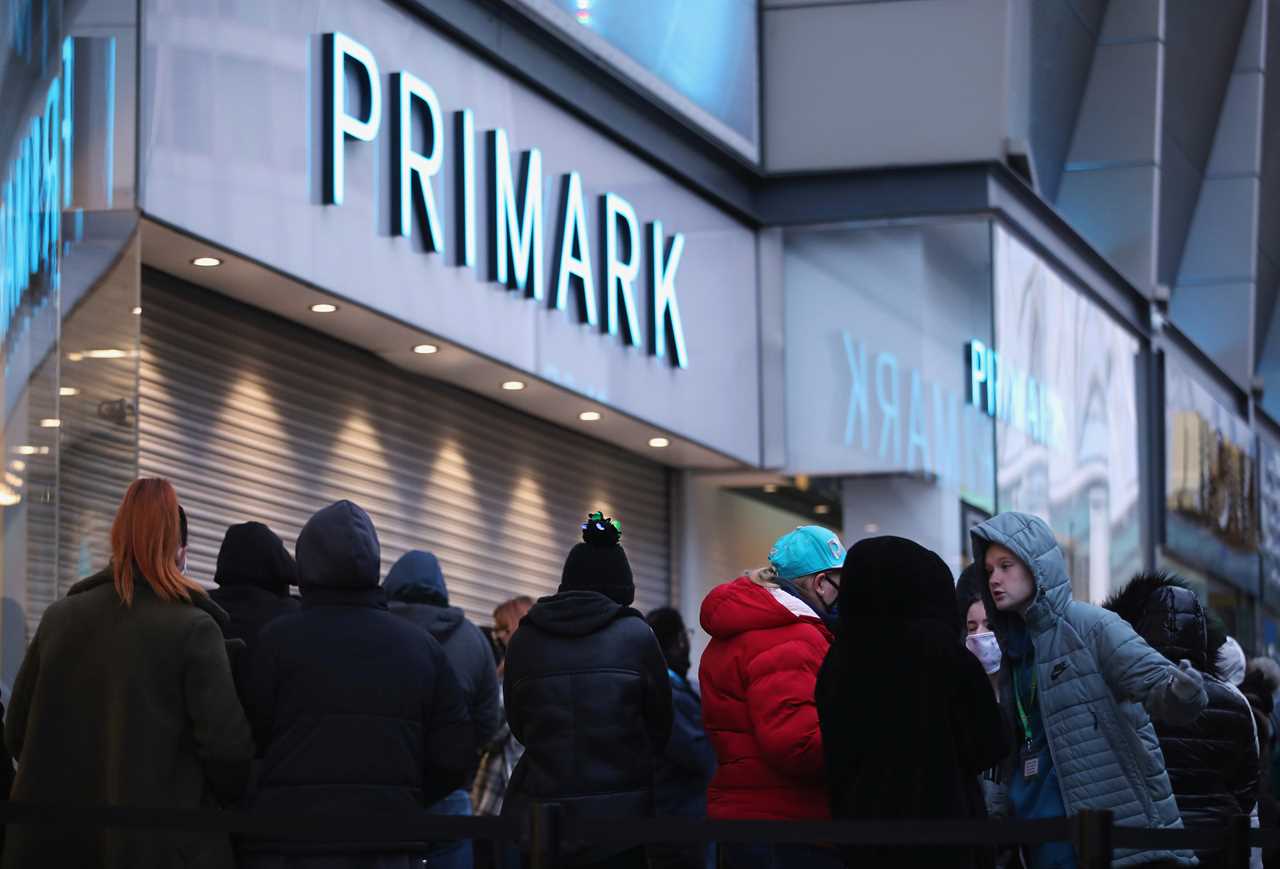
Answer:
(50, 423)
(18, 465)
(659, 443)
(68, 391)
(426, 349)
(770, 488)
(822, 509)
(137, 311)
(27, 450)
(589, 415)
(513, 385)
(206, 262)
(871, 528)
(75, 357)
(323, 308)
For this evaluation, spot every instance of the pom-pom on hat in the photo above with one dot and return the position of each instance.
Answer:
(599, 563)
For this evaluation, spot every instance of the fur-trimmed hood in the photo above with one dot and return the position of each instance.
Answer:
(1167, 614)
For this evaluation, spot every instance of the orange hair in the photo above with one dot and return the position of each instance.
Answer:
(145, 539)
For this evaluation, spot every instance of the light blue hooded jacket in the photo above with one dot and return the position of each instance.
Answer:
(1096, 675)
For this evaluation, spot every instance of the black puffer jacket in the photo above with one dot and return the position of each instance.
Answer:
(355, 709)
(587, 694)
(1212, 762)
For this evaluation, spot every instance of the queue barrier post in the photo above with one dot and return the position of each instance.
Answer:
(544, 835)
(1093, 839)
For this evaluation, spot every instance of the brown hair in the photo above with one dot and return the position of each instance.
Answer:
(513, 610)
(145, 539)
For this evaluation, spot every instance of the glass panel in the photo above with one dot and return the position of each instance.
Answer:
(877, 324)
(67, 220)
(1211, 481)
(1065, 393)
(706, 51)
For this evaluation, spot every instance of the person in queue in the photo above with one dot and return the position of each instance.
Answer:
(934, 727)
(126, 698)
(770, 632)
(1081, 684)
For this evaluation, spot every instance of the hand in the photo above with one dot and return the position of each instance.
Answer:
(1186, 683)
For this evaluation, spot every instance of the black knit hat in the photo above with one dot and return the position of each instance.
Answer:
(599, 563)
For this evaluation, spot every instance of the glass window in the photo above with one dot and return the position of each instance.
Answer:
(1210, 481)
(877, 322)
(1062, 382)
(706, 51)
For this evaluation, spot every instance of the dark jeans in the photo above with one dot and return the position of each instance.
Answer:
(452, 855)
(738, 856)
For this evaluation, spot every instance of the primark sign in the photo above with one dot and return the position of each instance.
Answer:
(596, 269)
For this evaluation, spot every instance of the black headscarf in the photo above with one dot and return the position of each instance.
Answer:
(909, 720)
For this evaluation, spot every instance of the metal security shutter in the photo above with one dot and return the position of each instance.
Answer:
(256, 418)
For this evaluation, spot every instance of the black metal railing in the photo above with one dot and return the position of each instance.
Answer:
(545, 832)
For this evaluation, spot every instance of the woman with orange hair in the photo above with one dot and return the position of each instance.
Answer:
(125, 698)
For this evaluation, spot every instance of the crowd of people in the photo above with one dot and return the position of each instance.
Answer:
(866, 683)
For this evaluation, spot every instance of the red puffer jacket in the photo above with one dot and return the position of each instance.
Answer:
(758, 677)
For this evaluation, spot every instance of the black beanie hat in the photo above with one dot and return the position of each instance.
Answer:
(598, 563)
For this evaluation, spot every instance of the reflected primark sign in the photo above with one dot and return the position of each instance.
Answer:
(36, 185)
(514, 210)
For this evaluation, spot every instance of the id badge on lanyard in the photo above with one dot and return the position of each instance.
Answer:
(1029, 756)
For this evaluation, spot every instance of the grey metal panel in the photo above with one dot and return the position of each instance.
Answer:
(1061, 53)
(257, 418)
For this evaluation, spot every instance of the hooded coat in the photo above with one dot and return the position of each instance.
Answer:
(416, 588)
(758, 677)
(1097, 679)
(128, 706)
(355, 709)
(919, 749)
(1213, 760)
(588, 696)
(253, 577)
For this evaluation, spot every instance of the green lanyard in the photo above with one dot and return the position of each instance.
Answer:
(1017, 696)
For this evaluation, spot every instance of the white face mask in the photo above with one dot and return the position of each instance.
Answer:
(986, 649)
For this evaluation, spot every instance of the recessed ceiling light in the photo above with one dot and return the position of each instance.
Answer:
(426, 349)
(206, 262)
(9, 498)
(770, 488)
(323, 308)
(50, 423)
(822, 509)
(68, 391)
(74, 357)
(589, 415)
(26, 450)
(659, 443)
(513, 385)
(137, 310)
(871, 528)
(18, 465)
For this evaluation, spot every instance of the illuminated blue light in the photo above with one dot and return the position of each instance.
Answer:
(465, 128)
(414, 170)
(516, 242)
(575, 253)
(1014, 397)
(338, 123)
(620, 274)
(666, 325)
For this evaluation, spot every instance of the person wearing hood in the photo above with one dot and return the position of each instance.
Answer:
(1260, 685)
(688, 763)
(416, 588)
(355, 710)
(1212, 761)
(125, 698)
(1080, 686)
(769, 636)
(253, 576)
(919, 749)
(587, 694)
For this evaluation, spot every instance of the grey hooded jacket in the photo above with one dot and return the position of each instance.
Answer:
(1096, 675)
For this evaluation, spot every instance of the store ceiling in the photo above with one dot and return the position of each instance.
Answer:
(172, 252)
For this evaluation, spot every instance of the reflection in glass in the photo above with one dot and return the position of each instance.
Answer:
(1062, 358)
